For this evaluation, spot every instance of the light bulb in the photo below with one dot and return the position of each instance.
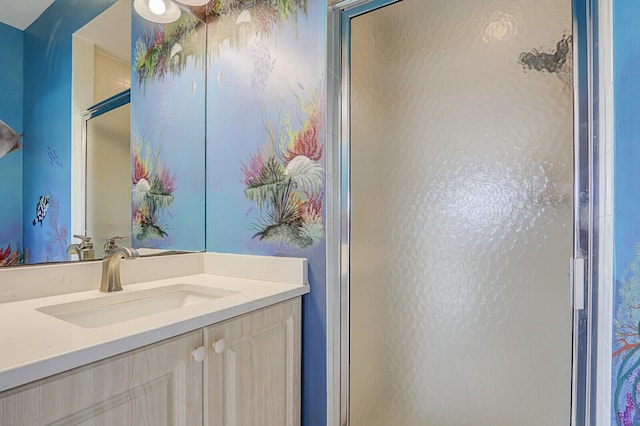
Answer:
(159, 11)
(157, 7)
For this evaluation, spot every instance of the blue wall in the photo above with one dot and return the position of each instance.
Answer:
(265, 106)
(168, 133)
(11, 84)
(626, 341)
(47, 124)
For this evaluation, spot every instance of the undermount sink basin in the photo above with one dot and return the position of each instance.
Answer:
(114, 308)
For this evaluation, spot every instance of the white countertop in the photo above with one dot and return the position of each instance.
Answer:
(35, 345)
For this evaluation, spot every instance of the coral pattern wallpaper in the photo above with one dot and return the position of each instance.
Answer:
(625, 374)
(265, 150)
(168, 134)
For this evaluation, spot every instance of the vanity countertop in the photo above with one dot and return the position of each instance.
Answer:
(36, 345)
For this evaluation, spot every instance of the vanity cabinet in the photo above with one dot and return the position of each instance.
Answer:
(252, 371)
(243, 371)
(155, 385)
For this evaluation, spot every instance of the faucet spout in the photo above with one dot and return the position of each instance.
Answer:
(111, 268)
(73, 249)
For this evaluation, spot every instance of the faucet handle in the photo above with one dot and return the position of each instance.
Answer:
(86, 241)
(111, 243)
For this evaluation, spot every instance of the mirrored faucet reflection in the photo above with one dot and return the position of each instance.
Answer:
(84, 250)
(111, 265)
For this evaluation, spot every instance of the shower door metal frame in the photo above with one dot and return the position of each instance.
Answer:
(586, 197)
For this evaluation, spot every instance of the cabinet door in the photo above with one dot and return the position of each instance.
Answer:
(157, 385)
(255, 380)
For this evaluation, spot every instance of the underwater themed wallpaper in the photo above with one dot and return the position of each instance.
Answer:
(285, 182)
(168, 134)
(46, 130)
(625, 374)
(47, 102)
(11, 68)
(265, 150)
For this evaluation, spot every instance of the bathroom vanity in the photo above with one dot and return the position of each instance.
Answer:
(220, 345)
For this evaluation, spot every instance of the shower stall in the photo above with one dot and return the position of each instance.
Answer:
(462, 208)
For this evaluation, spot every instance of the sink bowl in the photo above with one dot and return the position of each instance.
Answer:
(114, 308)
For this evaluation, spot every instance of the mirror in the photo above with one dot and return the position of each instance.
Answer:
(56, 68)
(106, 141)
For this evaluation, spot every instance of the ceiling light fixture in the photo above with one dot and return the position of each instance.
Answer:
(157, 7)
(159, 11)
(193, 2)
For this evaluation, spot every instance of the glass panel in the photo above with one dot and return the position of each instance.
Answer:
(461, 214)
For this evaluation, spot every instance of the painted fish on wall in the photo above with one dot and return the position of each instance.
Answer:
(9, 139)
(41, 209)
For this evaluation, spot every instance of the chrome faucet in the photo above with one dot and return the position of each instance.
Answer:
(111, 267)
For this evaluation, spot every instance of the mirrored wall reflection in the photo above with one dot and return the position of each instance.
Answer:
(42, 77)
(11, 87)
(168, 133)
(70, 57)
(108, 199)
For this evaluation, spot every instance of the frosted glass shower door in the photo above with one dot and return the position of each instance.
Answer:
(461, 217)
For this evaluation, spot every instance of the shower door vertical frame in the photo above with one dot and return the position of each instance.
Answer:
(586, 210)
(338, 104)
(586, 196)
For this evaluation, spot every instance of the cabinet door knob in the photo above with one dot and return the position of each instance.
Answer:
(219, 346)
(199, 354)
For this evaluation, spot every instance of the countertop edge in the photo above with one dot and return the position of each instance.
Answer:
(43, 368)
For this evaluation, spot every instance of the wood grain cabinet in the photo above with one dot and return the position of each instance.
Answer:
(252, 373)
(159, 384)
(246, 371)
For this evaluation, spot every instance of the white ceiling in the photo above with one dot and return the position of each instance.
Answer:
(21, 13)
(111, 30)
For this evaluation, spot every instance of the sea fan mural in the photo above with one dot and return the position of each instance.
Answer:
(152, 190)
(57, 234)
(165, 49)
(285, 180)
(273, 10)
(9, 257)
(626, 355)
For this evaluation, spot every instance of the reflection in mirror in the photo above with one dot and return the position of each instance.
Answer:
(36, 224)
(106, 141)
(57, 65)
(11, 83)
(168, 133)
(100, 192)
